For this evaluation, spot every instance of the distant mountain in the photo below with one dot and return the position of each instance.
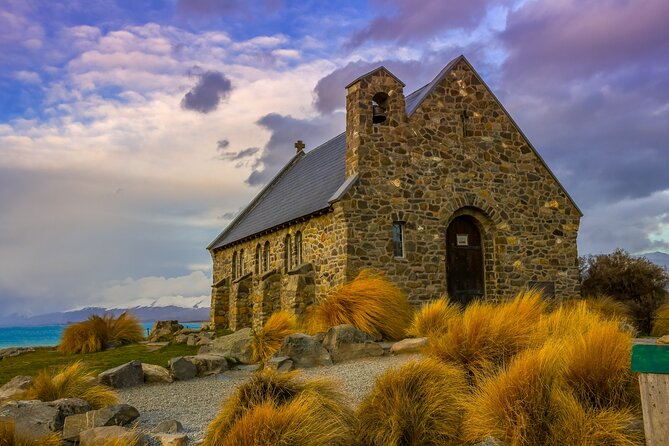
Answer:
(144, 314)
(659, 258)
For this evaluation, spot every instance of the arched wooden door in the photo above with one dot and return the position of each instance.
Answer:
(464, 260)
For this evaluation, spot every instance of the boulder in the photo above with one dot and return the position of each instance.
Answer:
(172, 439)
(236, 345)
(116, 415)
(663, 340)
(36, 419)
(96, 435)
(168, 427)
(192, 339)
(180, 338)
(203, 341)
(409, 345)
(280, 364)
(304, 350)
(208, 363)
(156, 374)
(182, 369)
(15, 387)
(345, 342)
(126, 375)
(164, 330)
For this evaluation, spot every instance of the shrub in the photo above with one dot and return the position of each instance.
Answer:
(267, 341)
(9, 436)
(98, 332)
(277, 389)
(417, 404)
(370, 302)
(487, 335)
(661, 321)
(432, 318)
(597, 367)
(636, 281)
(72, 381)
(303, 421)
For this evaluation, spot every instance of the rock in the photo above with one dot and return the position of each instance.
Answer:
(16, 351)
(489, 441)
(280, 364)
(409, 345)
(236, 345)
(304, 350)
(168, 427)
(36, 419)
(156, 374)
(192, 339)
(248, 367)
(180, 338)
(182, 369)
(15, 387)
(94, 436)
(126, 375)
(386, 347)
(345, 342)
(203, 341)
(116, 415)
(208, 364)
(68, 407)
(172, 439)
(164, 330)
(663, 340)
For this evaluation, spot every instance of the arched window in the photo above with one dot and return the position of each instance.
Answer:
(265, 257)
(234, 265)
(298, 248)
(287, 254)
(257, 259)
(241, 263)
(379, 108)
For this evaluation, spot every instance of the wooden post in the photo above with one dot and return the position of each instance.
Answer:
(652, 364)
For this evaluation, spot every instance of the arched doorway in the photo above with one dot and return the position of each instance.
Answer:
(464, 260)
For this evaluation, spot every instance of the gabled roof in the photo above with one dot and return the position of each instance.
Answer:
(312, 181)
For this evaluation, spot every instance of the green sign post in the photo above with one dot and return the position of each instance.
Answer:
(651, 361)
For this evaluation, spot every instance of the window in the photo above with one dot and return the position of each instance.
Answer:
(298, 248)
(379, 107)
(265, 257)
(257, 259)
(234, 265)
(287, 254)
(398, 239)
(241, 263)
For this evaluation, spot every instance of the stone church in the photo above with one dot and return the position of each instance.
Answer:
(438, 189)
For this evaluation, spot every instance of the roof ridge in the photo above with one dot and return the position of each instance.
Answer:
(434, 82)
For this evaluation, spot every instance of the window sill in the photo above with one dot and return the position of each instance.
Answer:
(243, 277)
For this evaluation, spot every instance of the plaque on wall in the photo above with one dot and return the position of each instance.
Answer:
(462, 239)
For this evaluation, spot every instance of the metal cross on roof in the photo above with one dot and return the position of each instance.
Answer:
(299, 145)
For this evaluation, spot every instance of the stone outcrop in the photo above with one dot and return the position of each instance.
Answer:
(409, 345)
(126, 375)
(208, 363)
(15, 387)
(156, 374)
(168, 427)
(345, 342)
(304, 350)
(182, 369)
(164, 330)
(115, 415)
(36, 419)
(236, 345)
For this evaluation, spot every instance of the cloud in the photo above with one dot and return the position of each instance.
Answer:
(212, 87)
(285, 130)
(236, 156)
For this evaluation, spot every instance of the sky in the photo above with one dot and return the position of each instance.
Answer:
(132, 132)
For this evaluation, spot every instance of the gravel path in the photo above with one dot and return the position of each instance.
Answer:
(195, 403)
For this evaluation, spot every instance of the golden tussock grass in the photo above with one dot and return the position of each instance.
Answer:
(370, 302)
(567, 321)
(597, 365)
(71, 381)
(95, 333)
(433, 317)
(416, 404)
(608, 307)
(129, 439)
(277, 389)
(9, 437)
(265, 342)
(486, 336)
(661, 321)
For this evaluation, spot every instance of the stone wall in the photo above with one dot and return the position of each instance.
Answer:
(458, 153)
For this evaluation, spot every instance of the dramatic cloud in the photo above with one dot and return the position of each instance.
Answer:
(212, 87)
(236, 156)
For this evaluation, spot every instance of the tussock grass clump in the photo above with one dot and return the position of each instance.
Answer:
(129, 439)
(487, 336)
(97, 332)
(71, 381)
(417, 404)
(566, 321)
(9, 437)
(267, 341)
(370, 303)
(597, 367)
(608, 307)
(277, 390)
(433, 317)
(661, 321)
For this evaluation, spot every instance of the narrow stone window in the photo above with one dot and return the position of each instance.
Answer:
(241, 263)
(298, 248)
(398, 239)
(379, 108)
(257, 259)
(234, 265)
(287, 254)
(265, 257)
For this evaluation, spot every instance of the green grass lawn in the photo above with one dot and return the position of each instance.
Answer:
(31, 363)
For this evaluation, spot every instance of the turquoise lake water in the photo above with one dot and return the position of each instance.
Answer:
(49, 334)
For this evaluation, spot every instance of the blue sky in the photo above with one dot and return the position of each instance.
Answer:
(132, 132)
